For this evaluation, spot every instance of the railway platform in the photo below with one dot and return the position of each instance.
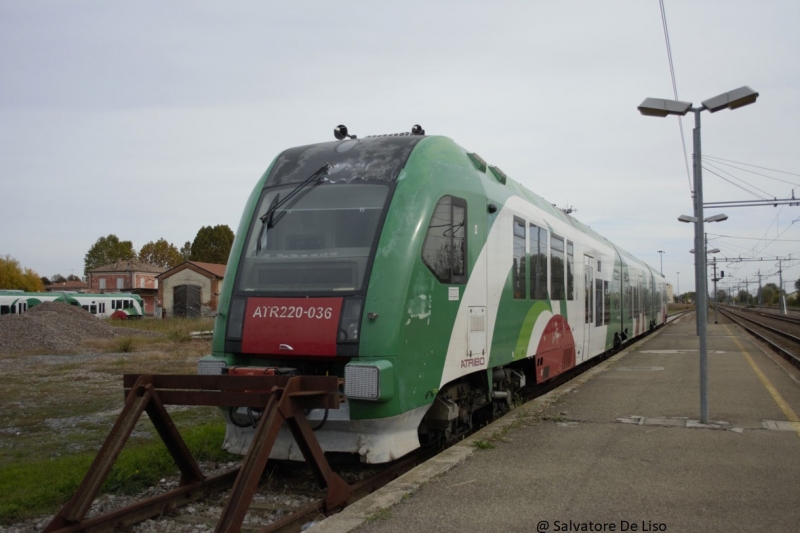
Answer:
(620, 448)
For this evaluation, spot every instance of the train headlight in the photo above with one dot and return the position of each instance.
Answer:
(211, 367)
(372, 381)
(350, 321)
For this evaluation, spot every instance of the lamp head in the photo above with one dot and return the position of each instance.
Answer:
(717, 218)
(659, 107)
(731, 100)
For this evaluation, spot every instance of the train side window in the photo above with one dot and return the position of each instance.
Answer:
(598, 302)
(519, 259)
(444, 251)
(570, 271)
(557, 264)
(4, 310)
(606, 304)
(538, 241)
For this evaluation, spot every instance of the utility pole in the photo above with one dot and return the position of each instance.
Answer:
(679, 286)
(760, 292)
(661, 253)
(747, 290)
(715, 279)
(781, 298)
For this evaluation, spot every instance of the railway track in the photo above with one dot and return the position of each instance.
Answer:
(781, 333)
(283, 502)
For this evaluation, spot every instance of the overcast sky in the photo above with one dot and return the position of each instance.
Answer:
(149, 120)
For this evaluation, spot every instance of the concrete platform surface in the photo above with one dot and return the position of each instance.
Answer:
(620, 449)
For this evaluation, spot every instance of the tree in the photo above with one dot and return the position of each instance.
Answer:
(58, 278)
(744, 297)
(769, 293)
(161, 253)
(186, 250)
(797, 284)
(107, 250)
(73, 277)
(13, 276)
(212, 245)
(46, 280)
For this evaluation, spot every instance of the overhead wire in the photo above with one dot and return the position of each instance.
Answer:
(675, 90)
(762, 243)
(708, 168)
(727, 162)
(751, 238)
(754, 166)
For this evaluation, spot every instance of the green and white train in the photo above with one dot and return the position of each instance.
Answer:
(432, 283)
(117, 305)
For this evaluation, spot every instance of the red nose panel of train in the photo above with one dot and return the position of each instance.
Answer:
(291, 326)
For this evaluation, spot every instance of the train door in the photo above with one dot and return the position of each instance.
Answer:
(588, 288)
(476, 341)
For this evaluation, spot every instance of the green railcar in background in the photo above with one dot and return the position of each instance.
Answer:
(117, 305)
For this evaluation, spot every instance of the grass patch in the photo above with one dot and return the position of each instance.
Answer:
(125, 344)
(33, 488)
(383, 514)
(483, 444)
(175, 329)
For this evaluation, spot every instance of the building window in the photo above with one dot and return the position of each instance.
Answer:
(120, 283)
(102, 283)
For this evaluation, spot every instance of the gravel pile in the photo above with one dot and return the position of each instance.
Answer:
(56, 327)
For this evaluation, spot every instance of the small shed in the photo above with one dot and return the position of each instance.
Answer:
(191, 289)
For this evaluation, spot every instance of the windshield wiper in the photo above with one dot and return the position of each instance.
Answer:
(268, 219)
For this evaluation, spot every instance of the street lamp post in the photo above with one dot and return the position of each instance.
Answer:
(661, 108)
(661, 253)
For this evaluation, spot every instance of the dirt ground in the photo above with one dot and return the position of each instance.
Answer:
(64, 401)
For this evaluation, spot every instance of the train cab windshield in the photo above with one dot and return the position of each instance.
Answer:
(319, 241)
(317, 221)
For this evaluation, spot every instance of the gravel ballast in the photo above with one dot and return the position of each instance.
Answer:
(55, 327)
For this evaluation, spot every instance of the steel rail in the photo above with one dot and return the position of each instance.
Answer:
(784, 318)
(292, 523)
(786, 354)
